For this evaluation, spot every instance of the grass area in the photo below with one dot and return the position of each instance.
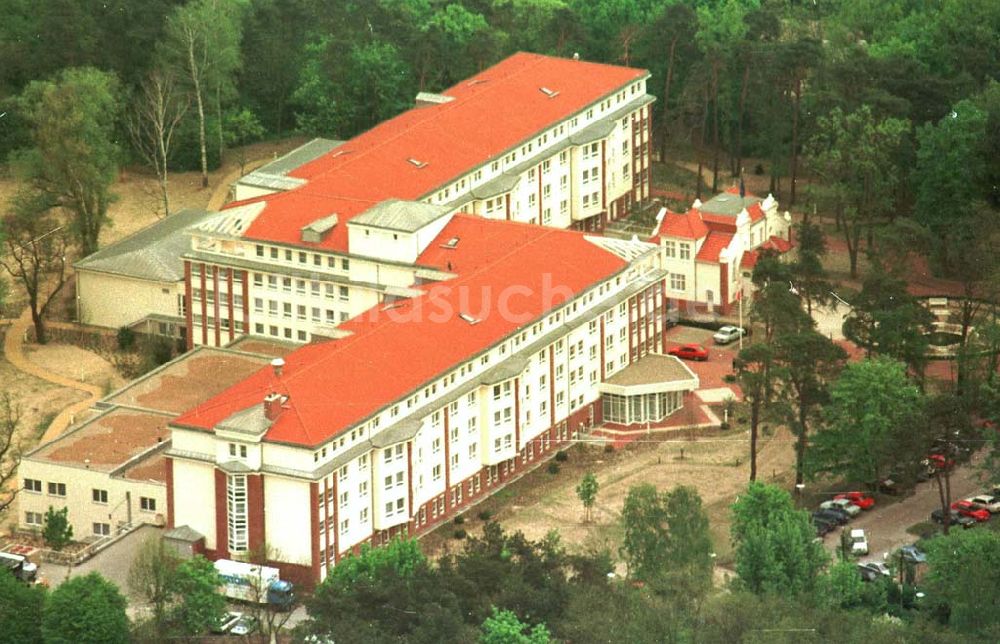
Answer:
(673, 177)
(44, 422)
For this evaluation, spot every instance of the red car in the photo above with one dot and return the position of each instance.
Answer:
(860, 499)
(970, 509)
(690, 352)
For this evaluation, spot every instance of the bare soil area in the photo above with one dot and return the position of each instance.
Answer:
(76, 363)
(714, 464)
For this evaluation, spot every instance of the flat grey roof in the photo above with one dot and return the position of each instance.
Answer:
(727, 203)
(153, 253)
(396, 214)
(297, 158)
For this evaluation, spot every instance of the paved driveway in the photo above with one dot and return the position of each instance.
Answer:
(886, 525)
(112, 563)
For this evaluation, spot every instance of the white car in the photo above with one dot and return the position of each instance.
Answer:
(728, 334)
(878, 567)
(859, 542)
(988, 501)
(841, 504)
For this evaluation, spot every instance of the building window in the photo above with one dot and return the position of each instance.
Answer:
(343, 293)
(678, 282)
(102, 529)
(32, 485)
(99, 496)
(146, 504)
(33, 518)
(236, 506)
(685, 251)
(670, 248)
(57, 489)
(260, 250)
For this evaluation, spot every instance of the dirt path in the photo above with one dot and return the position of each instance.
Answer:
(13, 349)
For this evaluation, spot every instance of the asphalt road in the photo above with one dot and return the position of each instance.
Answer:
(885, 525)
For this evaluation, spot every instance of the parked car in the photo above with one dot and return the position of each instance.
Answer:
(936, 462)
(225, 622)
(859, 542)
(878, 567)
(937, 516)
(244, 626)
(841, 504)
(969, 509)
(823, 527)
(690, 352)
(860, 499)
(833, 515)
(913, 554)
(867, 574)
(728, 334)
(988, 501)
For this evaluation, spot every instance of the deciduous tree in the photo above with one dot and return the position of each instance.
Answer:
(503, 627)
(868, 422)
(85, 609)
(775, 545)
(74, 158)
(196, 585)
(20, 609)
(152, 576)
(586, 491)
(964, 573)
(35, 244)
(10, 448)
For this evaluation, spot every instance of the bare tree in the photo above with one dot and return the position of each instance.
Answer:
(157, 109)
(10, 448)
(270, 618)
(35, 253)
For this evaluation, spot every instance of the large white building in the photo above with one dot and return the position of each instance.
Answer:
(539, 140)
(425, 404)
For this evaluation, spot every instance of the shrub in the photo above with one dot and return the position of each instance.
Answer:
(562, 456)
(485, 515)
(609, 448)
(724, 426)
(729, 377)
(460, 533)
(459, 520)
(553, 468)
(126, 338)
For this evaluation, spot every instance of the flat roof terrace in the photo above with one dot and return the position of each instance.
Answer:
(109, 441)
(188, 380)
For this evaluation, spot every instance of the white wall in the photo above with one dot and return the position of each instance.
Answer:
(114, 301)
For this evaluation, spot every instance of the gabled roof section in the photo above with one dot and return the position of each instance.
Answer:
(335, 385)
(712, 246)
(686, 226)
(492, 113)
(274, 175)
(153, 253)
(404, 216)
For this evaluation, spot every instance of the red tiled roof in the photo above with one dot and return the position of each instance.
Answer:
(749, 259)
(777, 243)
(712, 246)
(335, 385)
(721, 223)
(687, 226)
(492, 112)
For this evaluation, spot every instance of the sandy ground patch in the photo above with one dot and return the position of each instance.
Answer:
(715, 464)
(76, 363)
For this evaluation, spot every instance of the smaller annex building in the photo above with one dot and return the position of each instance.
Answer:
(110, 469)
(710, 250)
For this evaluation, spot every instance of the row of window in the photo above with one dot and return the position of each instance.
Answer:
(288, 311)
(315, 259)
(99, 496)
(286, 284)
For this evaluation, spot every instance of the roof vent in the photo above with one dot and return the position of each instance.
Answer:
(278, 365)
(425, 99)
(697, 204)
(451, 243)
(317, 231)
(468, 318)
(340, 153)
(417, 162)
(576, 55)
(548, 92)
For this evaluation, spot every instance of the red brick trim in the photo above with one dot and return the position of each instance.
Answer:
(314, 570)
(169, 463)
(221, 511)
(204, 305)
(188, 307)
(215, 306)
(229, 292)
(255, 512)
(246, 302)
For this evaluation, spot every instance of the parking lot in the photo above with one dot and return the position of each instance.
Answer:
(886, 523)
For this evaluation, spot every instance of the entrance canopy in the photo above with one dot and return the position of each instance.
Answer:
(647, 391)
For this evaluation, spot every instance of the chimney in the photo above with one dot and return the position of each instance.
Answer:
(272, 406)
(278, 364)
